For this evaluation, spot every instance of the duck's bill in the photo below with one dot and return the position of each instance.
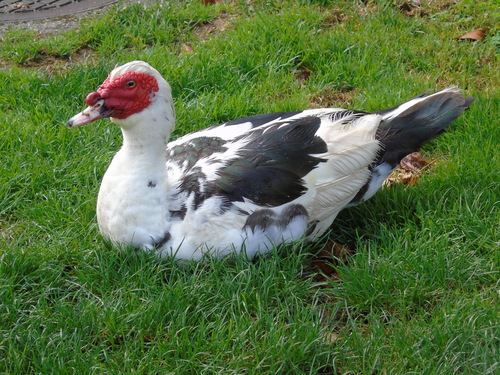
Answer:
(90, 114)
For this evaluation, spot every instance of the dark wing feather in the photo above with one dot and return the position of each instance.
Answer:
(269, 169)
(188, 153)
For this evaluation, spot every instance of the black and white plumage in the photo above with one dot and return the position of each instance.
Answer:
(249, 184)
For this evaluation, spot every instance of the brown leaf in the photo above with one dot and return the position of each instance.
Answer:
(408, 170)
(187, 48)
(477, 34)
(208, 2)
(407, 179)
(413, 162)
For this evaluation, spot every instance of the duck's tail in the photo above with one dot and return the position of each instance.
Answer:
(407, 127)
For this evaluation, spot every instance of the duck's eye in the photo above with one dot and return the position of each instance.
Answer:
(130, 84)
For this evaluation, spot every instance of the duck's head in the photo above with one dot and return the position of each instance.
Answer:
(133, 93)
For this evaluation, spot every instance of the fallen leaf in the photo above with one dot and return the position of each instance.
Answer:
(407, 179)
(477, 34)
(408, 171)
(413, 162)
(187, 48)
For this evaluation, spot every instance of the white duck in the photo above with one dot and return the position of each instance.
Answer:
(249, 184)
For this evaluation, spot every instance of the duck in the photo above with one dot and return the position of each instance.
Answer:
(250, 184)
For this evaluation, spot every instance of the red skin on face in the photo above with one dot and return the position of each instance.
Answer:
(126, 94)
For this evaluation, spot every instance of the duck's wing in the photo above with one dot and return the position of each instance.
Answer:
(266, 160)
(263, 180)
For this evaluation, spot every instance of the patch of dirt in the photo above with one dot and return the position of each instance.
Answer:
(332, 98)
(52, 64)
(422, 8)
(410, 8)
(207, 30)
(325, 262)
(303, 75)
(334, 17)
(367, 7)
(220, 24)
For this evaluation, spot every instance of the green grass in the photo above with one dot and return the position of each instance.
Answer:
(420, 295)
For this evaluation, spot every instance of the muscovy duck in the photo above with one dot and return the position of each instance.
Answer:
(248, 184)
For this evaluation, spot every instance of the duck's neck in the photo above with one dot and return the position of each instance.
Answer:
(153, 147)
(133, 204)
(149, 130)
(145, 156)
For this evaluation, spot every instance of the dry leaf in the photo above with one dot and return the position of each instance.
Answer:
(407, 179)
(408, 170)
(477, 34)
(413, 162)
(187, 48)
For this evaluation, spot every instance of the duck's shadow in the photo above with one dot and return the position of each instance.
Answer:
(394, 207)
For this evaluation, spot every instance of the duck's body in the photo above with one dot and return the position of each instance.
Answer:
(249, 184)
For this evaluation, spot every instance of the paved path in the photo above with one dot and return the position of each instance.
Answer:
(29, 10)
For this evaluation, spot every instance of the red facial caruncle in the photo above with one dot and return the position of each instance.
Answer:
(125, 95)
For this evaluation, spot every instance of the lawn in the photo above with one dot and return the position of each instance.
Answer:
(417, 292)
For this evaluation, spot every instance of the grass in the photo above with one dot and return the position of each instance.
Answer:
(420, 294)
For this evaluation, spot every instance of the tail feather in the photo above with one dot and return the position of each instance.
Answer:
(407, 127)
